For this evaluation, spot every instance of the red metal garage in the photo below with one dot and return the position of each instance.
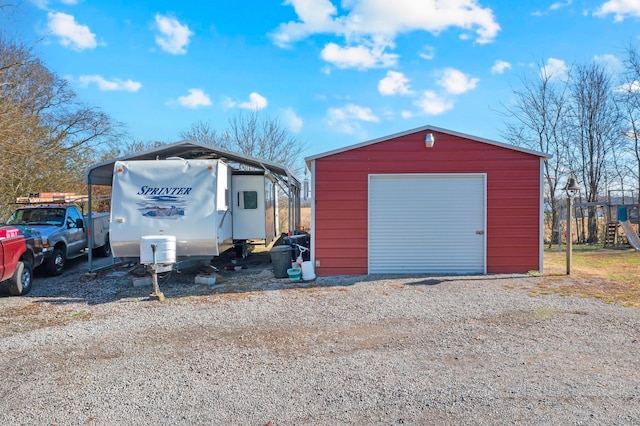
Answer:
(395, 205)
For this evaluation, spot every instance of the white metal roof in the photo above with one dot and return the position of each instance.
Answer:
(102, 173)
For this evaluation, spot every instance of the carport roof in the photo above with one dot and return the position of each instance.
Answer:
(102, 173)
(309, 159)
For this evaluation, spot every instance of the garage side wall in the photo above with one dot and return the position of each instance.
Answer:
(341, 198)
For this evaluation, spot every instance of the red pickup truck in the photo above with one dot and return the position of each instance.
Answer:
(20, 252)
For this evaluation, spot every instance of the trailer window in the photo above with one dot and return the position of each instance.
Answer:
(249, 200)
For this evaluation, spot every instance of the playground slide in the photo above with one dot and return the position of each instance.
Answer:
(631, 235)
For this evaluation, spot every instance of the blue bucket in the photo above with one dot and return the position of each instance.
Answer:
(294, 274)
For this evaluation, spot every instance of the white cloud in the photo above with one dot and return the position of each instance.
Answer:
(559, 5)
(427, 52)
(556, 69)
(326, 70)
(44, 4)
(611, 62)
(554, 6)
(228, 103)
(621, 9)
(40, 4)
(360, 113)
(106, 85)
(195, 99)
(347, 118)
(370, 27)
(173, 37)
(456, 82)
(294, 123)
(71, 33)
(256, 102)
(431, 103)
(395, 83)
(315, 17)
(633, 86)
(500, 67)
(375, 17)
(361, 57)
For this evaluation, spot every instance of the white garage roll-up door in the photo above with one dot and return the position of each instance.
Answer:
(427, 223)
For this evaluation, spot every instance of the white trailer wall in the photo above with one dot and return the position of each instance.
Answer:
(165, 197)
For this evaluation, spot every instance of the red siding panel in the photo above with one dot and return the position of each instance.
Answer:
(513, 198)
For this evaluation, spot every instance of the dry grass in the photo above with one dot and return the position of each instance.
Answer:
(610, 275)
(305, 218)
(31, 316)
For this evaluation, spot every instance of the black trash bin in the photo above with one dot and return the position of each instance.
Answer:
(299, 239)
(281, 260)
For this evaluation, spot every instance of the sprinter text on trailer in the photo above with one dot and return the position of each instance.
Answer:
(204, 205)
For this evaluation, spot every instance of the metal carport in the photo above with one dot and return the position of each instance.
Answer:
(102, 173)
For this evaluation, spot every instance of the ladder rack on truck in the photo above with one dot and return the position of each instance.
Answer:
(52, 198)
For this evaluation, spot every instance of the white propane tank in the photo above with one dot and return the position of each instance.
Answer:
(165, 249)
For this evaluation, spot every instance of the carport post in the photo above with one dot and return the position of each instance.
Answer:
(89, 230)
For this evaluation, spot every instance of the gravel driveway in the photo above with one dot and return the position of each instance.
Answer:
(255, 350)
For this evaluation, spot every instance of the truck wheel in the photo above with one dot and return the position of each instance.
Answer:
(105, 250)
(20, 282)
(55, 265)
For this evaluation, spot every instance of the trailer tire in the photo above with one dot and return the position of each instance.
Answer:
(55, 265)
(105, 250)
(20, 281)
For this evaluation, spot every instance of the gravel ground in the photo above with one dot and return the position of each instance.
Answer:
(255, 350)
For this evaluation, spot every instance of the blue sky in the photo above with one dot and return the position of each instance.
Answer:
(334, 73)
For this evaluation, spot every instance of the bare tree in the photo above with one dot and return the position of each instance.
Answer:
(8, 8)
(49, 137)
(629, 93)
(595, 131)
(251, 134)
(537, 122)
(263, 137)
(203, 133)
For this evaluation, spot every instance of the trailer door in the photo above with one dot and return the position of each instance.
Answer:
(249, 207)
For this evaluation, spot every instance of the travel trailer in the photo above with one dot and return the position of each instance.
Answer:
(204, 205)
(201, 198)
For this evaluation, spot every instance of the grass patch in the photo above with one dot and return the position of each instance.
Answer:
(612, 276)
(83, 315)
(33, 316)
(544, 313)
